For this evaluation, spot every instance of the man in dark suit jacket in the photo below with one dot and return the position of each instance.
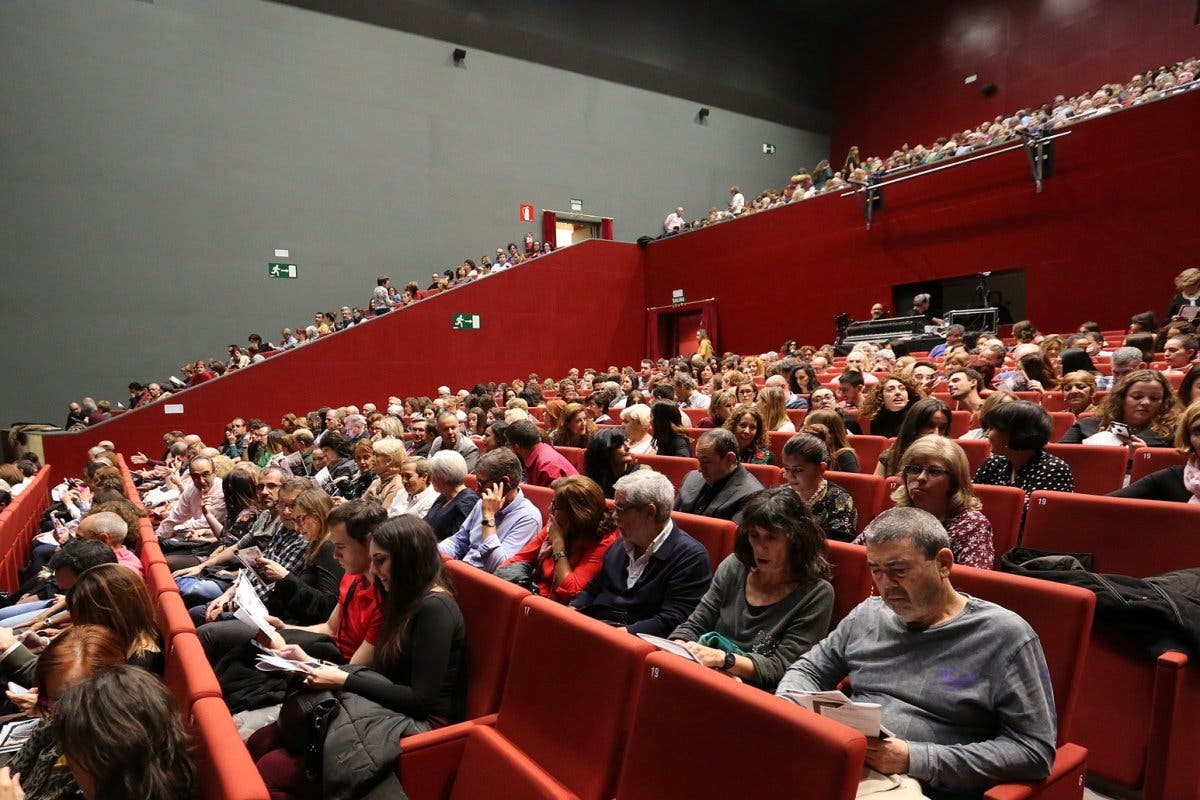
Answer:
(720, 487)
(654, 576)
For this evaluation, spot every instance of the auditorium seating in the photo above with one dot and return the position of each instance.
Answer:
(540, 496)
(868, 449)
(675, 468)
(1151, 459)
(976, 450)
(866, 490)
(1097, 469)
(767, 474)
(1003, 506)
(559, 707)
(851, 580)
(19, 524)
(695, 729)
(223, 765)
(1135, 708)
(715, 534)
(694, 415)
(572, 454)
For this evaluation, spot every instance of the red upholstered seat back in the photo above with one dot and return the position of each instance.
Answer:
(675, 468)
(492, 767)
(851, 580)
(1152, 459)
(1097, 469)
(540, 496)
(1003, 506)
(715, 534)
(489, 607)
(1140, 538)
(566, 700)
(1060, 614)
(708, 725)
(867, 491)
(224, 768)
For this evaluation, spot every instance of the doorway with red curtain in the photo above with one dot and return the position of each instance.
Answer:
(671, 330)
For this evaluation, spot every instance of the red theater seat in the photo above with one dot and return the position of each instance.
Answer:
(1004, 507)
(1135, 708)
(868, 449)
(766, 474)
(851, 580)
(977, 451)
(694, 415)
(572, 454)
(187, 673)
(715, 534)
(1062, 421)
(960, 422)
(1061, 616)
(540, 496)
(675, 468)
(1097, 469)
(172, 616)
(224, 768)
(564, 706)
(797, 415)
(489, 607)
(867, 492)
(1152, 459)
(492, 767)
(688, 715)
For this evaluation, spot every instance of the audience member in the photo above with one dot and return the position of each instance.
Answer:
(1143, 402)
(721, 486)
(805, 462)
(502, 522)
(770, 601)
(747, 425)
(1018, 433)
(666, 425)
(1180, 483)
(654, 579)
(543, 464)
(999, 727)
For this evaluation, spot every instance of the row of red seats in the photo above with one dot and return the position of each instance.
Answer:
(580, 710)
(1133, 703)
(224, 767)
(18, 526)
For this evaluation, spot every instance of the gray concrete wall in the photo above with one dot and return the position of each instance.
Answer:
(153, 155)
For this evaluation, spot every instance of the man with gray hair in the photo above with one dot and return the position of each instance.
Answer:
(354, 427)
(502, 522)
(954, 337)
(721, 486)
(962, 682)
(450, 437)
(686, 393)
(1124, 361)
(107, 527)
(653, 579)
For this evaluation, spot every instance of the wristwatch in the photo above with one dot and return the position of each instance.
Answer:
(730, 660)
(560, 554)
(489, 521)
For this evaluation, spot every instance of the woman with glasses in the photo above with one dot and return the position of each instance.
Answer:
(935, 477)
(770, 601)
(805, 461)
(570, 549)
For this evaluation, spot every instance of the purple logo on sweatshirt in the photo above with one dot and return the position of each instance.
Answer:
(957, 680)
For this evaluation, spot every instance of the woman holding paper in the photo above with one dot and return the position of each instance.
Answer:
(419, 664)
(771, 600)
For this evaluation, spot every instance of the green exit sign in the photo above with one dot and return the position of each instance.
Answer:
(465, 322)
(768, 149)
(278, 270)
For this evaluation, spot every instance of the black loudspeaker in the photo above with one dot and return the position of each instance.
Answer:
(988, 89)
(644, 241)
(460, 55)
(703, 114)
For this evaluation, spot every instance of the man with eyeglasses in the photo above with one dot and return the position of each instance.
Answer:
(205, 579)
(653, 578)
(962, 682)
(502, 522)
(203, 491)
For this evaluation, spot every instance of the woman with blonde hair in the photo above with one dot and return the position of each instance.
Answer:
(772, 405)
(1143, 402)
(1079, 393)
(389, 455)
(935, 477)
(1187, 284)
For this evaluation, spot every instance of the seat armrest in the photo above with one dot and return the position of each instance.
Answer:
(1065, 781)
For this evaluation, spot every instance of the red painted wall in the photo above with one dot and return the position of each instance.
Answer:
(905, 83)
(1103, 240)
(579, 307)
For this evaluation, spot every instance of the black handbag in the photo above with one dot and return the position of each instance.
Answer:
(304, 719)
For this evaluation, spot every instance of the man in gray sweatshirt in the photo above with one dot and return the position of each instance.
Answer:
(963, 682)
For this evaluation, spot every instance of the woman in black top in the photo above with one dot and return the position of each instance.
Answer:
(666, 425)
(1188, 285)
(886, 402)
(447, 471)
(1018, 432)
(1181, 483)
(419, 667)
(607, 459)
(1144, 402)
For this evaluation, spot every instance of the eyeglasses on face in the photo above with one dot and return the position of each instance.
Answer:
(915, 470)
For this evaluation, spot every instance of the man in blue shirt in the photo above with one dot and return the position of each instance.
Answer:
(502, 522)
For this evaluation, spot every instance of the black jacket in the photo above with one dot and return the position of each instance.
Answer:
(1160, 613)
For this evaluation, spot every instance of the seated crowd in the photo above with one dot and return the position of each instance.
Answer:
(339, 520)
(1030, 122)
